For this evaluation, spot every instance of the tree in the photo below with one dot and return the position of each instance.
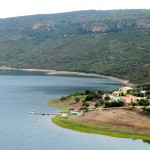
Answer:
(120, 103)
(107, 98)
(140, 94)
(89, 97)
(97, 104)
(98, 96)
(101, 92)
(63, 98)
(87, 92)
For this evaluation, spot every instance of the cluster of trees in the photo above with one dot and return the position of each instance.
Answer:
(141, 90)
(98, 98)
(93, 95)
(115, 104)
(144, 102)
(145, 87)
(101, 98)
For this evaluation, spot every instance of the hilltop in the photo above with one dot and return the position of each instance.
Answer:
(113, 43)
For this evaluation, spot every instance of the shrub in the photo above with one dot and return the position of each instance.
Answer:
(148, 97)
(148, 92)
(102, 102)
(86, 104)
(77, 99)
(115, 104)
(81, 93)
(77, 94)
(134, 104)
(146, 109)
(108, 104)
(120, 103)
(85, 109)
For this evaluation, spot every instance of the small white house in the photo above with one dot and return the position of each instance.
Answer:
(64, 115)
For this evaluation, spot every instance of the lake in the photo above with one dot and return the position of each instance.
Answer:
(22, 92)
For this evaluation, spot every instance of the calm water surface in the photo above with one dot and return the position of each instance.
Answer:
(22, 92)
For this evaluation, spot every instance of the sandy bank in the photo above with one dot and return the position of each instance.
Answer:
(55, 72)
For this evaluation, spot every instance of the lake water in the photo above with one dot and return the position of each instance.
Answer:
(22, 92)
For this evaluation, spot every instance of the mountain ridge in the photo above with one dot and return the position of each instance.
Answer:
(114, 42)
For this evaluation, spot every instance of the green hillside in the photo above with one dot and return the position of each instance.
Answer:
(115, 42)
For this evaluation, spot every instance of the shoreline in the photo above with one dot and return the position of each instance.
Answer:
(55, 72)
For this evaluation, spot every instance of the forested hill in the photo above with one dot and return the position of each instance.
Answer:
(115, 42)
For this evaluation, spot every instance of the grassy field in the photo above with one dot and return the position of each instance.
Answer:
(54, 103)
(92, 128)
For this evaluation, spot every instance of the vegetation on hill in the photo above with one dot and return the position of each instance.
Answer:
(115, 42)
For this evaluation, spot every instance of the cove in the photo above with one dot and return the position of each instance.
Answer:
(22, 92)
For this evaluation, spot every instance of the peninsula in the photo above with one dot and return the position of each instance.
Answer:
(122, 113)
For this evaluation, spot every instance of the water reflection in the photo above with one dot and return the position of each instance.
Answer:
(148, 142)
